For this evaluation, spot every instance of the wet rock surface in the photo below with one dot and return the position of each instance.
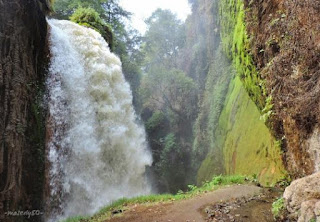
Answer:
(23, 32)
(302, 198)
(256, 208)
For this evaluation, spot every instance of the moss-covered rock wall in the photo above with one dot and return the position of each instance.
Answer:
(238, 139)
(246, 144)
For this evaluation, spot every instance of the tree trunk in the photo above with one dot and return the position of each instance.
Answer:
(23, 57)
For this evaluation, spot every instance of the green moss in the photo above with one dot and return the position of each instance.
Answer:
(236, 44)
(240, 142)
(247, 145)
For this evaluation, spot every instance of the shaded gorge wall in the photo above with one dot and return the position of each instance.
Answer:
(23, 32)
(231, 135)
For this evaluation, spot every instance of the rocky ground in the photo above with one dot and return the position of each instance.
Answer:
(253, 209)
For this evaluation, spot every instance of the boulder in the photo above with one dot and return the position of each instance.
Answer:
(302, 198)
(307, 210)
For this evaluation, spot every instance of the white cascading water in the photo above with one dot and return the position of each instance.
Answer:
(97, 151)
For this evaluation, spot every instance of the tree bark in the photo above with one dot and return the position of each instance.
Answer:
(23, 34)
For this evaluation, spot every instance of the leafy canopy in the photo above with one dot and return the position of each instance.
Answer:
(164, 39)
(90, 18)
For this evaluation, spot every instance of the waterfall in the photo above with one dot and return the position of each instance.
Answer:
(97, 151)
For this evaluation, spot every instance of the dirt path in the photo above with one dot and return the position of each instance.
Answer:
(252, 209)
(192, 210)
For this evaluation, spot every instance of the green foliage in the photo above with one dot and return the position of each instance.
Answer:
(86, 15)
(236, 44)
(180, 192)
(163, 40)
(166, 90)
(267, 110)
(202, 40)
(65, 8)
(169, 156)
(109, 10)
(155, 120)
(90, 18)
(192, 187)
(169, 92)
(168, 87)
(285, 182)
(172, 164)
(170, 142)
(225, 180)
(278, 207)
(221, 180)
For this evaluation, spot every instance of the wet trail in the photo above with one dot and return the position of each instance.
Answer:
(235, 203)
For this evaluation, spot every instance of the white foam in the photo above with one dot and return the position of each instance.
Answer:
(97, 151)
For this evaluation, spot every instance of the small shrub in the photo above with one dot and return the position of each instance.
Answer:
(180, 192)
(267, 110)
(86, 15)
(228, 180)
(217, 180)
(90, 18)
(155, 120)
(285, 181)
(192, 187)
(278, 207)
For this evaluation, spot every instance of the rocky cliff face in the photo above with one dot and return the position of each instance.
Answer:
(23, 31)
(230, 124)
(285, 43)
(275, 48)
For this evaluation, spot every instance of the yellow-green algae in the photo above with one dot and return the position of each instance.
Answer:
(246, 143)
(235, 43)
